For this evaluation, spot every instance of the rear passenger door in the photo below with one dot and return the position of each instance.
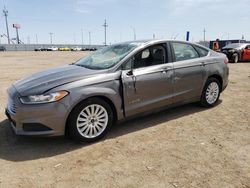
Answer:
(189, 71)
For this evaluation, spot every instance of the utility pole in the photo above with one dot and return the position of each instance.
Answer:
(5, 13)
(153, 36)
(28, 39)
(120, 36)
(176, 36)
(89, 38)
(82, 35)
(74, 36)
(105, 25)
(204, 35)
(36, 39)
(51, 34)
(134, 32)
(17, 26)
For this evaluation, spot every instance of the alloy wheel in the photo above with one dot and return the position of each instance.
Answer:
(92, 121)
(212, 93)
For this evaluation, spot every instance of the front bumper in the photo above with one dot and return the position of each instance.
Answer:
(229, 54)
(36, 120)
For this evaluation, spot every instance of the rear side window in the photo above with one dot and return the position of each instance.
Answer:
(184, 51)
(203, 52)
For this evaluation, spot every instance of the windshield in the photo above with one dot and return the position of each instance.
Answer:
(107, 56)
(236, 45)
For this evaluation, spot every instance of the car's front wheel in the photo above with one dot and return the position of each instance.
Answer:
(90, 120)
(211, 93)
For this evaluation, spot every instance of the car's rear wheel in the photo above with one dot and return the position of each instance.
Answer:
(211, 93)
(235, 58)
(90, 120)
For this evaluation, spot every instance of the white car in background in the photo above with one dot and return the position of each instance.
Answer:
(76, 49)
(52, 49)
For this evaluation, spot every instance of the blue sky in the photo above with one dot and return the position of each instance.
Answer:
(164, 18)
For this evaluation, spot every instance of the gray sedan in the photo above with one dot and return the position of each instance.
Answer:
(86, 98)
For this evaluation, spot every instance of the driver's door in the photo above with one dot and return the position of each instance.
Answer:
(147, 81)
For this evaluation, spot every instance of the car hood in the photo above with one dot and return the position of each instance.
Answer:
(43, 81)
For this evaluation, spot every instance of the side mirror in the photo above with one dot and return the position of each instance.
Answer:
(130, 72)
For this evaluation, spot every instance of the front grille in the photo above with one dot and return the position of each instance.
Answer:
(12, 107)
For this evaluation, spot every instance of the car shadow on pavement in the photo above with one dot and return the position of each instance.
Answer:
(20, 148)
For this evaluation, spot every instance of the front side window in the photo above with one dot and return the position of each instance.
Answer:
(106, 57)
(184, 51)
(154, 55)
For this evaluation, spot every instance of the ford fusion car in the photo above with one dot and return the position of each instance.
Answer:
(86, 98)
(237, 52)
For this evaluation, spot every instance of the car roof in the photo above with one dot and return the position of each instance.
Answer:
(141, 43)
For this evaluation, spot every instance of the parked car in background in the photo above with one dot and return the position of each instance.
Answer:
(85, 49)
(89, 49)
(64, 49)
(2, 48)
(92, 49)
(53, 48)
(237, 52)
(38, 49)
(117, 82)
(76, 49)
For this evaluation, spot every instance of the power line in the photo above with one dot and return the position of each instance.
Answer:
(5, 13)
(105, 25)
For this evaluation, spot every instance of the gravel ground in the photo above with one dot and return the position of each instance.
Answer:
(188, 146)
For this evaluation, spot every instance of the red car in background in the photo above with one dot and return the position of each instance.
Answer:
(237, 52)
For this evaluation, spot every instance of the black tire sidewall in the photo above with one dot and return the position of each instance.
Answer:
(72, 127)
(203, 100)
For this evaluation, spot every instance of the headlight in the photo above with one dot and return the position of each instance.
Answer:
(45, 98)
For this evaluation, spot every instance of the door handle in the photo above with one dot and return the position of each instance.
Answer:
(203, 64)
(165, 70)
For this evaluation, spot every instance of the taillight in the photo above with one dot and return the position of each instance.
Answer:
(226, 60)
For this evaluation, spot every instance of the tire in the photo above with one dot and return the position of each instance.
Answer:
(210, 93)
(235, 58)
(86, 126)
